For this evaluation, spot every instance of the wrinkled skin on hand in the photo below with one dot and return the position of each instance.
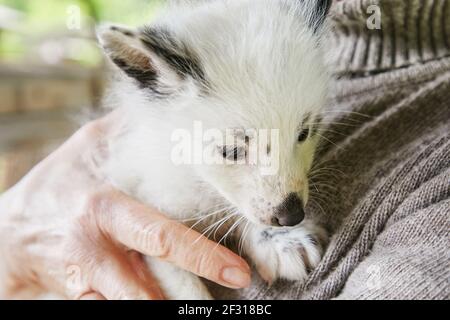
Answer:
(64, 229)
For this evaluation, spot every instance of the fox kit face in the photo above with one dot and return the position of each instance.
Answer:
(252, 70)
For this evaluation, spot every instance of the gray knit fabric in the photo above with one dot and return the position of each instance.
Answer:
(384, 191)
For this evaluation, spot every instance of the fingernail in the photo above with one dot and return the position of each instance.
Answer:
(236, 277)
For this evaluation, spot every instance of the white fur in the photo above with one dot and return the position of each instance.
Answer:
(265, 69)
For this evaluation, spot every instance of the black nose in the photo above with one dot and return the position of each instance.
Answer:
(290, 212)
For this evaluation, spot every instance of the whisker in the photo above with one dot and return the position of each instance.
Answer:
(211, 227)
(329, 141)
(217, 207)
(244, 234)
(324, 130)
(334, 123)
(207, 216)
(325, 112)
(220, 226)
(230, 230)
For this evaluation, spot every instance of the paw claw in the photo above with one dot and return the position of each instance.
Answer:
(266, 274)
(290, 255)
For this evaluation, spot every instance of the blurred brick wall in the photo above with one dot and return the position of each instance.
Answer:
(36, 107)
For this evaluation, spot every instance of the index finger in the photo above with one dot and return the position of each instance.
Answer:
(148, 231)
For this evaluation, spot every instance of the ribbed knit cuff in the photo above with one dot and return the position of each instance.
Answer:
(412, 32)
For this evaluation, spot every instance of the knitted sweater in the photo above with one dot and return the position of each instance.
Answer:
(385, 184)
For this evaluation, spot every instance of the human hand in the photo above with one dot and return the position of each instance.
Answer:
(66, 230)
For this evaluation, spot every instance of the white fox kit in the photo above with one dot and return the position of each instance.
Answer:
(226, 64)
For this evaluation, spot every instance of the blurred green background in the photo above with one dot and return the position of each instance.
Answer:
(25, 22)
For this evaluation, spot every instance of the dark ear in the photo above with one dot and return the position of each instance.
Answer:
(317, 12)
(152, 59)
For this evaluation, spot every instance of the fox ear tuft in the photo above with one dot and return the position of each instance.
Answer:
(123, 47)
(149, 65)
(317, 11)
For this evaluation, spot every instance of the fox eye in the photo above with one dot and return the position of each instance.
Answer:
(233, 153)
(303, 135)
